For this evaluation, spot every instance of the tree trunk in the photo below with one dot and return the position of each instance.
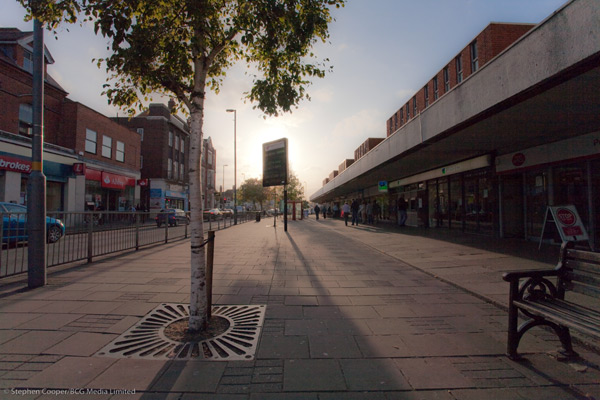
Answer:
(198, 301)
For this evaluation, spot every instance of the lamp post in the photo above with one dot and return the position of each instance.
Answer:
(234, 165)
(223, 187)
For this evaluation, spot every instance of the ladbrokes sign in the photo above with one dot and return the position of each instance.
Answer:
(15, 164)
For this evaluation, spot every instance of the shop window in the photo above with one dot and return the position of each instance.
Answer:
(25, 119)
(120, 154)
(537, 201)
(106, 146)
(91, 139)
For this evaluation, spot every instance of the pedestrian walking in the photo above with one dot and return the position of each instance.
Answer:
(346, 212)
(324, 211)
(402, 206)
(376, 212)
(317, 210)
(354, 207)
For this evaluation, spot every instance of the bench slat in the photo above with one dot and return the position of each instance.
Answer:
(583, 266)
(567, 308)
(564, 316)
(582, 277)
(584, 255)
(582, 288)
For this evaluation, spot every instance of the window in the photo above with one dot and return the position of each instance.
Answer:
(106, 146)
(426, 93)
(459, 70)
(182, 145)
(407, 112)
(175, 170)
(170, 139)
(120, 154)
(169, 168)
(414, 106)
(91, 139)
(177, 143)
(474, 57)
(25, 119)
(401, 116)
(140, 131)
(446, 80)
(28, 61)
(210, 158)
(181, 172)
(435, 89)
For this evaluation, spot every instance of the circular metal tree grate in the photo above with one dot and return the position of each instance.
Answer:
(147, 339)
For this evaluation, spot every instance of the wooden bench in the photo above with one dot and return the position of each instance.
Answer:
(536, 295)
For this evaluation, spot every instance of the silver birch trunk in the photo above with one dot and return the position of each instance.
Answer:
(198, 292)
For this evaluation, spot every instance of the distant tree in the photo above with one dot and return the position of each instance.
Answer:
(252, 191)
(181, 48)
(295, 190)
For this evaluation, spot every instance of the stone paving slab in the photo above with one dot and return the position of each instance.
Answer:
(365, 313)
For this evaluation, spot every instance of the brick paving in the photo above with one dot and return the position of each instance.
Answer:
(352, 313)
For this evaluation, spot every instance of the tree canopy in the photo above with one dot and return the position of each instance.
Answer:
(182, 47)
(177, 47)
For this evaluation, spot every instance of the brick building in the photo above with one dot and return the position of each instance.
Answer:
(89, 160)
(110, 154)
(489, 43)
(365, 147)
(165, 152)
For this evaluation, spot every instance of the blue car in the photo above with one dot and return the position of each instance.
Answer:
(14, 224)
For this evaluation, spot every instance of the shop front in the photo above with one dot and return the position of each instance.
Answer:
(108, 191)
(457, 196)
(560, 173)
(14, 174)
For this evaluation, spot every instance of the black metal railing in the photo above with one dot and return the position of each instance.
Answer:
(92, 234)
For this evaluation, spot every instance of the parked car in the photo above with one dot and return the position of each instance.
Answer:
(176, 216)
(14, 224)
(227, 212)
(212, 214)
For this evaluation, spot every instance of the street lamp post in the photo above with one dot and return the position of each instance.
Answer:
(234, 165)
(223, 187)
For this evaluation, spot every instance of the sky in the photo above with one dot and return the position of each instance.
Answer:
(382, 52)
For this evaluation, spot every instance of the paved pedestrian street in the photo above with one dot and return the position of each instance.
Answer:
(351, 313)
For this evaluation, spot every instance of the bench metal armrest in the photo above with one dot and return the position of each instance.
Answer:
(512, 276)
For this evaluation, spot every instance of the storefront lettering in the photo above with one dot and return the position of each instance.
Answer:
(13, 164)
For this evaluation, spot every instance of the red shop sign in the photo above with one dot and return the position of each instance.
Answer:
(93, 174)
(114, 181)
(142, 182)
(79, 169)
(15, 164)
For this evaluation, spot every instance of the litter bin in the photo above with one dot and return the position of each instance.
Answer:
(258, 217)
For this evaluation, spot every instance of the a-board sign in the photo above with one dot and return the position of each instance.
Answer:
(275, 163)
(567, 221)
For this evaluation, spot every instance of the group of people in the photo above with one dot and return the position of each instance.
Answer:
(365, 212)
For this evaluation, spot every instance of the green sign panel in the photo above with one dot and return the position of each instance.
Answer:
(275, 163)
(383, 186)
